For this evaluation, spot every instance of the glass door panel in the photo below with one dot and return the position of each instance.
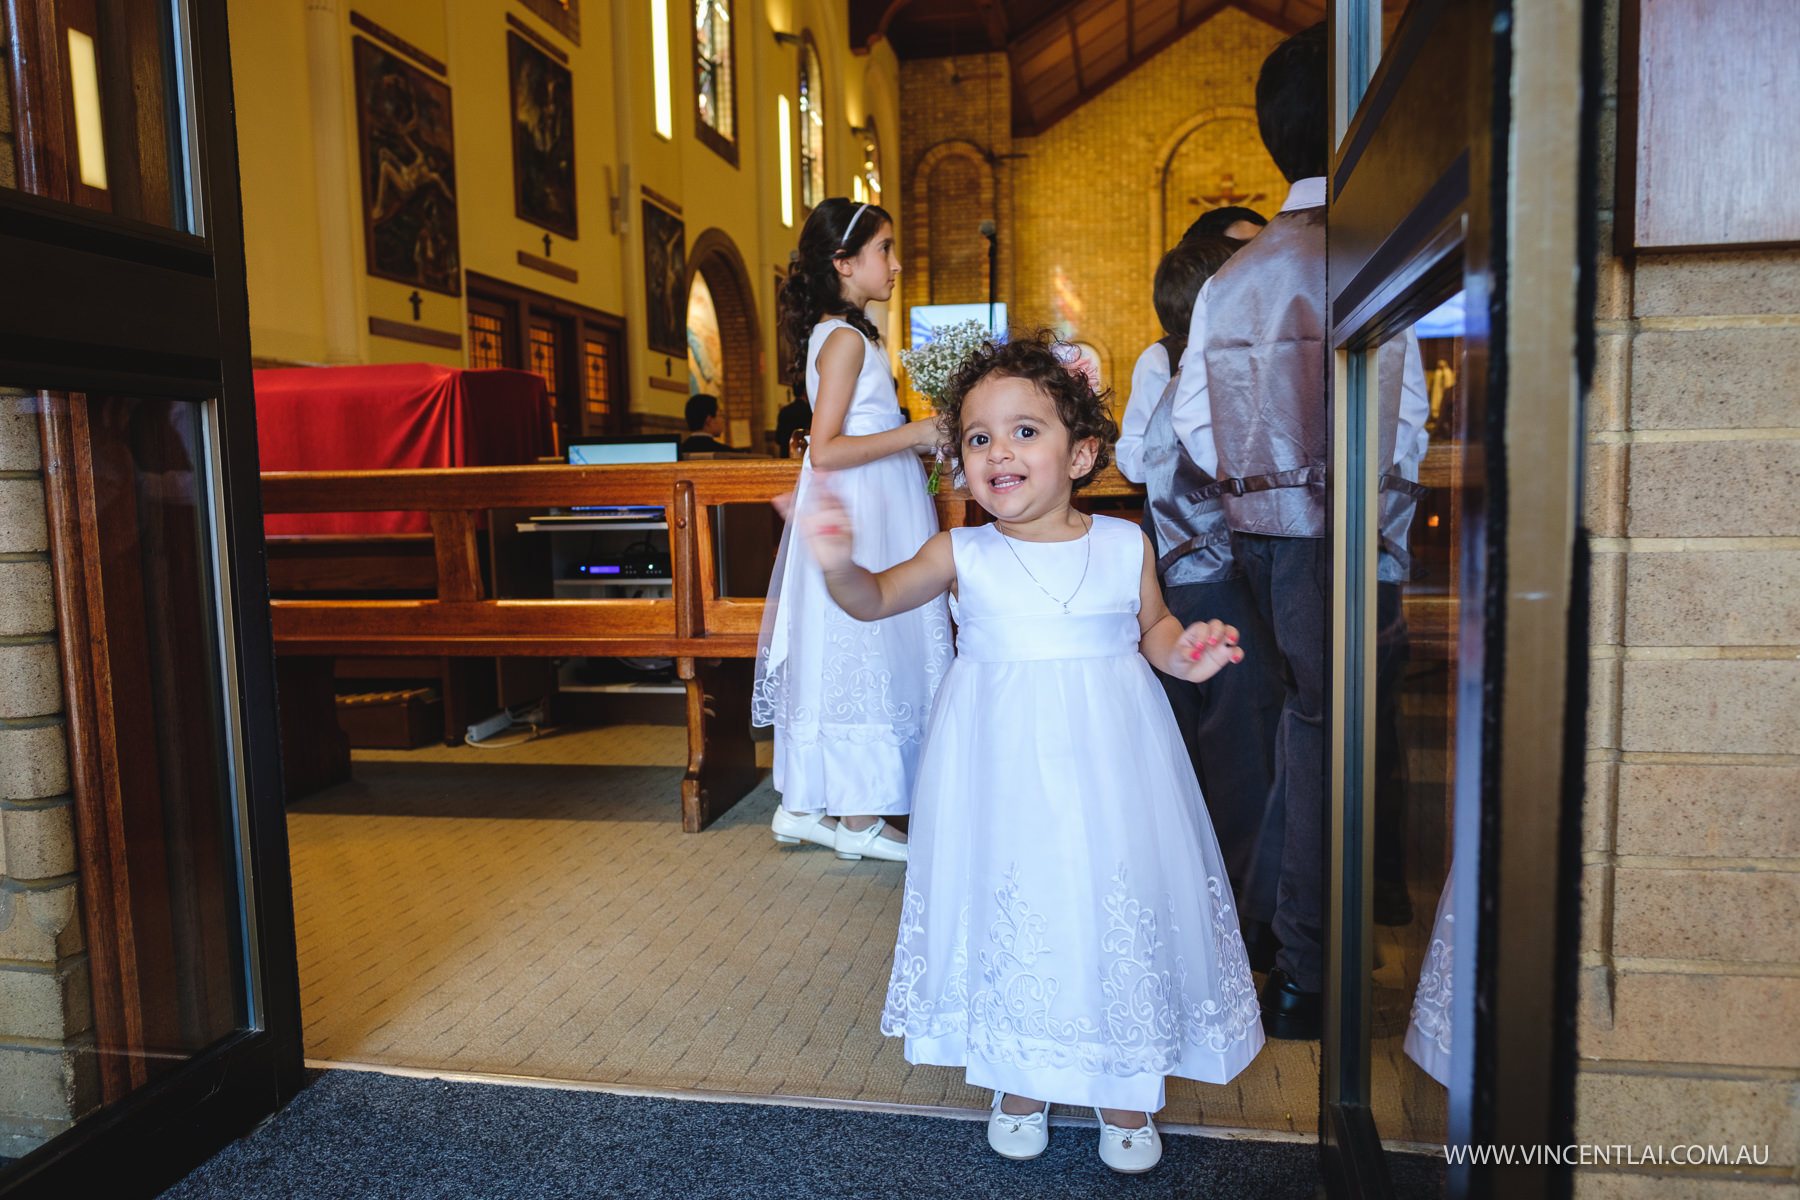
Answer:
(153, 948)
(1423, 578)
(100, 106)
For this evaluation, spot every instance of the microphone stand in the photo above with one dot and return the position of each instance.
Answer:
(991, 234)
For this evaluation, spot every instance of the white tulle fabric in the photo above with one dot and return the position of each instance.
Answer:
(1067, 931)
(1428, 1033)
(849, 699)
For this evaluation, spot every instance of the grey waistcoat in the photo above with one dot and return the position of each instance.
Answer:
(1193, 543)
(1265, 378)
(1265, 358)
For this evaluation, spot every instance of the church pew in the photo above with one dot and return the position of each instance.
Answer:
(712, 637)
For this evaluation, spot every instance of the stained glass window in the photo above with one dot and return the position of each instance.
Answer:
(812, 126)
(713, 92)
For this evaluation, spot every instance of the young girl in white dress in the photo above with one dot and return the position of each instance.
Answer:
(1067, 932)
(849, 700)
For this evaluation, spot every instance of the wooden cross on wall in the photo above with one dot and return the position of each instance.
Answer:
(1227, 194)
(415, 300)
(546, 245)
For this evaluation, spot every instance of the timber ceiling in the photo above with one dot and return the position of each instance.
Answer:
(1063, 52)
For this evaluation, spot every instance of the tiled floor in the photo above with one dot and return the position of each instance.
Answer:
(538, 911)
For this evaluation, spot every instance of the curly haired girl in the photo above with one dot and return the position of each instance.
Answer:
(849, 700)
(1067, 931)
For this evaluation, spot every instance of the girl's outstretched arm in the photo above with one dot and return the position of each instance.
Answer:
(866, 596)
(840, 362)
(1198, 652)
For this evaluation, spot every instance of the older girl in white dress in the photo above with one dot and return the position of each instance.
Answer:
(848, 700)
(1067, 931)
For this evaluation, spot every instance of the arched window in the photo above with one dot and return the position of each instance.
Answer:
(715, 85)
(812, 125)
(866, 184)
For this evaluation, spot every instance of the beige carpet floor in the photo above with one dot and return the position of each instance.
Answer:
(537, 911)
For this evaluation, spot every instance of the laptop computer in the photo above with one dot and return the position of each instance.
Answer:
(616, 451)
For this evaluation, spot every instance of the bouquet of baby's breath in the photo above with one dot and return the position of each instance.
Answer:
(931, 366)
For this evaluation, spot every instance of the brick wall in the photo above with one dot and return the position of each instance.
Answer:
(47, 1071)
(1089, 204)
(955, 128)
(1690, 1010)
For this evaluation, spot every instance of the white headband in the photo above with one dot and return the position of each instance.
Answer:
(852, 225)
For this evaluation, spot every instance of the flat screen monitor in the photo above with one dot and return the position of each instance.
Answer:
(622, 451)
(927, 319)
(613, 451)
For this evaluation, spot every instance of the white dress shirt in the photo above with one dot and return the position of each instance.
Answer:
(1148, 379)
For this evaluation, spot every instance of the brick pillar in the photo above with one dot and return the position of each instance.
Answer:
(48, 1076)
(1690, 940)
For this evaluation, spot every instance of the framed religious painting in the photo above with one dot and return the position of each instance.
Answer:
(563, 15)
(408, 156)
(543, 137)
(784, 346)
(665, 281)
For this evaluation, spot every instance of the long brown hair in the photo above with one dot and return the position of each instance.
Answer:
(838, 228)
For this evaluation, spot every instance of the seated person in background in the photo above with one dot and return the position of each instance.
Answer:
(795, 418)
(704, 426)
(1232, 221)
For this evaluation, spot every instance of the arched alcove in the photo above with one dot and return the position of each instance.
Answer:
(1213, 159)
(715, 259)
(952, 179)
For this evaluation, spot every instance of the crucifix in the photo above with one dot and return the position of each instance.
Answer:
(546, 245)
(415, 300)
(1227, 194)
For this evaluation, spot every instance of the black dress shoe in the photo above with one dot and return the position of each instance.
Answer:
(1289, 1013)
(1261, 944)
(1393, 905)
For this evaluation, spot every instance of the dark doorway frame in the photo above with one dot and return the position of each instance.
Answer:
(121, 307)
(1459, 164)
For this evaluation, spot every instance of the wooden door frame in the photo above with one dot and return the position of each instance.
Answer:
(123, 307)
(1507, 214)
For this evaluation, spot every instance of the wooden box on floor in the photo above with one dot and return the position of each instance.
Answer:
(398, 720)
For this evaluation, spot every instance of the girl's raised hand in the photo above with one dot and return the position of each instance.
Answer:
(1204, 649)
(826, 524)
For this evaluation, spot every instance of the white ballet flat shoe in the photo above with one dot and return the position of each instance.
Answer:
(1018, 1136)
(792, 828)
(1129, 1151)
(868, 843)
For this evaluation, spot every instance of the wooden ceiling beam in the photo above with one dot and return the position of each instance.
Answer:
(888, 13)
(1075, 49)
(993, 19)
(1201, 12)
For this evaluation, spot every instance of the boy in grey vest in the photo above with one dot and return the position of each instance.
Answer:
(1228, 724)
(1251, 408)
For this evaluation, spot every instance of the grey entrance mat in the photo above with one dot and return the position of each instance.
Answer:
(355, 1134)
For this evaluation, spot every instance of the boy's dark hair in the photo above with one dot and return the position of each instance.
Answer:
(701, 408)
(1221, 219)
(1180, 274)
(837, 228)
(1033, 358)
(1292, 108)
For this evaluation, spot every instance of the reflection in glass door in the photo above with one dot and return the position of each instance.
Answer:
(1419, 593)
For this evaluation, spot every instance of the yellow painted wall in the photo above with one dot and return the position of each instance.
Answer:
(614, 128)
(275, 153)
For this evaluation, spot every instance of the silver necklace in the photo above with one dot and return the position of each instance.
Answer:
(1086, 558)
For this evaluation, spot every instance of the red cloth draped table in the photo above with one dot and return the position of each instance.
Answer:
(390, 417)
